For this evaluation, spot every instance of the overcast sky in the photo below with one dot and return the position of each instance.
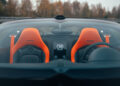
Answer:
(108, 4)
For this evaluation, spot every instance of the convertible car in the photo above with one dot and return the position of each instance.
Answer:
(59, 49)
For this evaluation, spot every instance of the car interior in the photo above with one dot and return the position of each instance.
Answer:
(61, 50)
(30, 48)
(59, 42)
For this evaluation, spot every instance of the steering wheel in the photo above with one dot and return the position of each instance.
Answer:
(84, 55)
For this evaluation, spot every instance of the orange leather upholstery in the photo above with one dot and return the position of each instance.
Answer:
(87, 36)
(107, 38)
(29, 36)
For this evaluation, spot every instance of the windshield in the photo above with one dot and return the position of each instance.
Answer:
(49, 27)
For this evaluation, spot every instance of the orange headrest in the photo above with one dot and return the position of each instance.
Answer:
(87, 36)
(29, 36)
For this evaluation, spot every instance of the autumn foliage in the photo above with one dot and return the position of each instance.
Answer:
(46, 8)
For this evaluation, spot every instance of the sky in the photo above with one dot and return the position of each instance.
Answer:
(108, 4)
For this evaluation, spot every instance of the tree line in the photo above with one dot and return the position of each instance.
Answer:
(45, 8)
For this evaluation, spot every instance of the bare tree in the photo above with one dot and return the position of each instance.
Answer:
(118, 13)
(10, 8)
(86, 11)
(1, 9)
(59, 8)
(100, 11)
(26, 8)
(43, 8)
(114, 12)
(53, 12)
(67, 8)
(93, 11)
(76, 9)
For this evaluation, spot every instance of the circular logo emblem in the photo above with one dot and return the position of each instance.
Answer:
(60, 46)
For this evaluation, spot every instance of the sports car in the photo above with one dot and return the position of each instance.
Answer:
(58, 50)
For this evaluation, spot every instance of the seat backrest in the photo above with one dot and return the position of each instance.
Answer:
(87, 36)
(29, 36)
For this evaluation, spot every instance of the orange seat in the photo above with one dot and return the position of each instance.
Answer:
(87, 36)
(29, 36)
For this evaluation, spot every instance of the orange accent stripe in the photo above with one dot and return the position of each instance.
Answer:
(107, 38)
(30, 36)
(11, 48)
(87, 36)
